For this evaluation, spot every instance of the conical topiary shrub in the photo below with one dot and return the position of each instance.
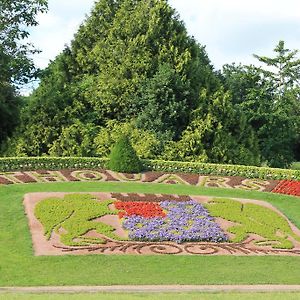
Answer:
(123, 157)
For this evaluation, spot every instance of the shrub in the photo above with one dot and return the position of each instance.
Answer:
(123, 157)
(221, 170)
(144, 142)
(75, 140)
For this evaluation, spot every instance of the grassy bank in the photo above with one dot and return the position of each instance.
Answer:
(19, 267)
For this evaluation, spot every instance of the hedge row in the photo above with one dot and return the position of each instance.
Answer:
(57, 163)
(222, 170)
(50, 163)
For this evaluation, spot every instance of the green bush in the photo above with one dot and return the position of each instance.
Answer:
(123, 157)
(75, 140)
(221, 170)
(144, 142)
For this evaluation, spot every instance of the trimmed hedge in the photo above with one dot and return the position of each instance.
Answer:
(50, 163)
(56, 163)
(221, 170)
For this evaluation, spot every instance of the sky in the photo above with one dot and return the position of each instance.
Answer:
(231, 30)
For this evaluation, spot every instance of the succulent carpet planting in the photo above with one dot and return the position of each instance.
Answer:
(75, 214)
(116, 223)
(289, 187)
(44, 176)
(272, 228)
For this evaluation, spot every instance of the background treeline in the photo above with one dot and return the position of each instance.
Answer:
(132, 68)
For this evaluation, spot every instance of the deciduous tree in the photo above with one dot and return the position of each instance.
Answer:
(16, 66)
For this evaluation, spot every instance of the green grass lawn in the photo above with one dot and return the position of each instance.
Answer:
(18, 266)
(155, 296)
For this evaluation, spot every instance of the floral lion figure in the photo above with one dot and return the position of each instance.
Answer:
(252, 218)
(73, 216)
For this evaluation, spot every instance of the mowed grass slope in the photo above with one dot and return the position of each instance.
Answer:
(154, 296)
(19, 267)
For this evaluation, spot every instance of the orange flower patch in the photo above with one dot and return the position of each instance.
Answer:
(144, 209)
(288, 187)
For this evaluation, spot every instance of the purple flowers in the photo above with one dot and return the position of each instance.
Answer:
(184, 222)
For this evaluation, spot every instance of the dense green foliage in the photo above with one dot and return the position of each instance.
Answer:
(163, 104)
(295, 166)
(50, 163)
(132, 67)
(123, 157)
(218, 132)
(112, 68)
(270, 100)
(144, 142)
(222, 170)
(16, 64)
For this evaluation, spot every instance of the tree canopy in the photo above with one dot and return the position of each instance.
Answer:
(269, 97)
(16, 65)
(112, 69)
(133, 69)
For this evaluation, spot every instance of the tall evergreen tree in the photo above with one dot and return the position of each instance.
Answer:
(140, 36)
(217, 133)
(117, 50)
(162, 105)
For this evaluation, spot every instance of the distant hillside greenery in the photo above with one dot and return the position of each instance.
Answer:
(133, 69)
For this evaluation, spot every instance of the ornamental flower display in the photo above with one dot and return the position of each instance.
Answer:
(288, 187)
(144, 209)
(179, 222)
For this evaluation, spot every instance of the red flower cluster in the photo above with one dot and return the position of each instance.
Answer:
(289, 187)
(144, 209)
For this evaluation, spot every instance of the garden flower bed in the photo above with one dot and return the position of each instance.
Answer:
(46, 176)
(179, 222)
(288, 187)
(114, 223)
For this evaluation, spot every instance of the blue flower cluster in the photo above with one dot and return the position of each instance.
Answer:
(184, 222)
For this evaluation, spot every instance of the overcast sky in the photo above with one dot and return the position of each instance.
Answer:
(231, 30)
